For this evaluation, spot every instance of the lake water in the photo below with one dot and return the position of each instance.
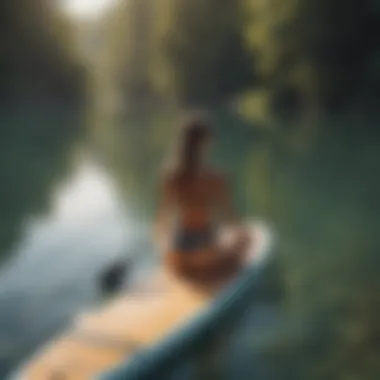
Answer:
(62, 220)
(52, 271)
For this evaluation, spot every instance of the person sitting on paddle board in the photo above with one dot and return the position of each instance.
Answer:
(195, 201)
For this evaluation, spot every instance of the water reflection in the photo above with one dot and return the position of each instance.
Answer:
(53, 269)
(35, 156)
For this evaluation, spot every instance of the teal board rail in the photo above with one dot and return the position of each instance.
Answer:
(159, 360)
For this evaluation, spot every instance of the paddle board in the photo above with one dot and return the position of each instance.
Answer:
(101, 339)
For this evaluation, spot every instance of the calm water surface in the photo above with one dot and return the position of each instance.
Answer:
(53, 268)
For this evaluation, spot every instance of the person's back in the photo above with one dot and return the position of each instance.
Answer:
(197, 201)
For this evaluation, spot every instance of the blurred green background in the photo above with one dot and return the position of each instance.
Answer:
(292, 87)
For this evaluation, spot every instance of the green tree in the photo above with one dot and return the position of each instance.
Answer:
(42, 95)
(37, 60)
(317, 54)
(207, 52)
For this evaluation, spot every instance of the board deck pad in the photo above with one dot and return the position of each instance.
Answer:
(101, 339)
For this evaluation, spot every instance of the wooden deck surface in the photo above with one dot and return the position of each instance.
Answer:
(104, 338)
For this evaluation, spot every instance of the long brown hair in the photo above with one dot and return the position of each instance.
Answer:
(195, 132)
